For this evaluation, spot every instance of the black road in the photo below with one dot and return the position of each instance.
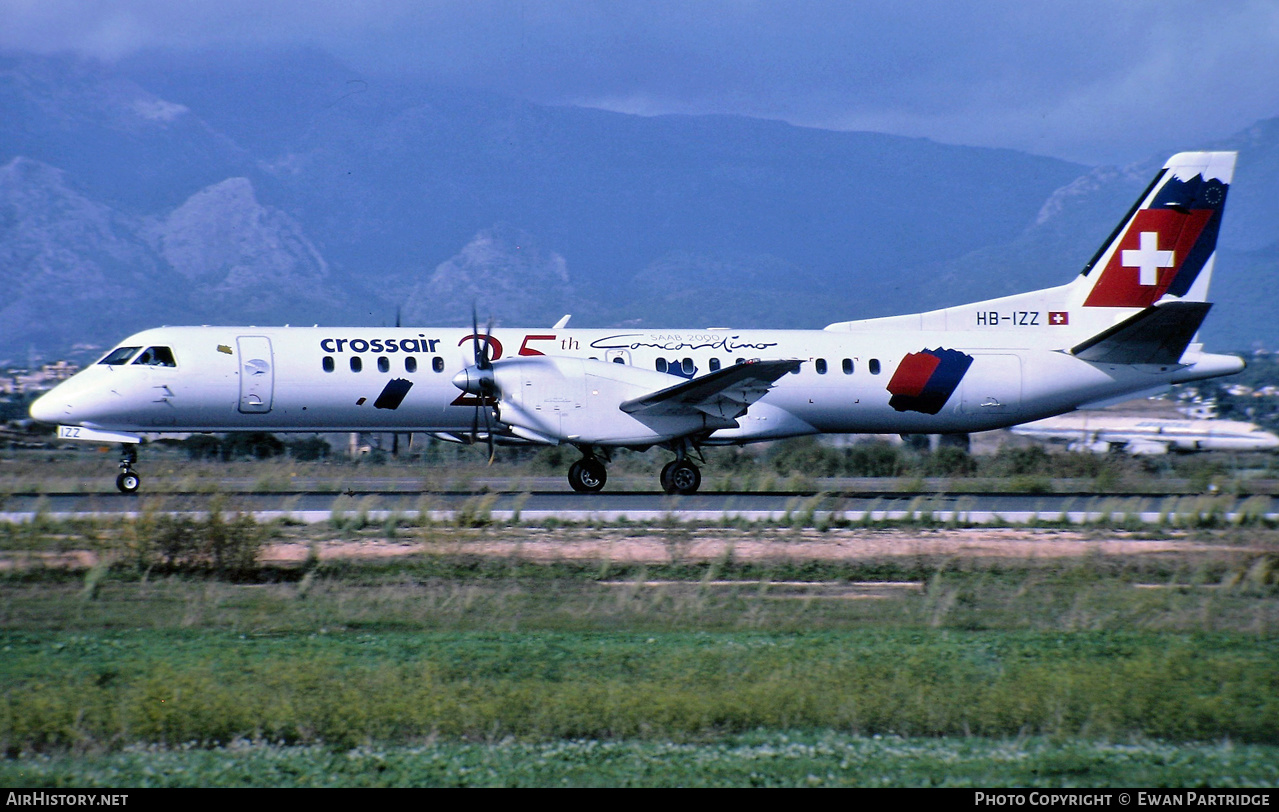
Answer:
(639, 506)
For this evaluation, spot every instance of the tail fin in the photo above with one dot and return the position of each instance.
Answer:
(1167, 242)
(1161, 252)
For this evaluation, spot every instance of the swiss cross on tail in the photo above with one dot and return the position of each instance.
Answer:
(1169, 239)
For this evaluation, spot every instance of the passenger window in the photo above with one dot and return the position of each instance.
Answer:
(820, 366)
(437, 364)
(619, 360)
(356, 363)
(328, 363)
(874, 366)
(714, 364)
(156, 357)
(687, 366)
(410, 364)
(740, 361)
(383, 365)
(661, 365)
(119, 355)
(848, 366)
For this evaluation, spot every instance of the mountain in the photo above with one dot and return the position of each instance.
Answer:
(69, 266)
(500, 264)
(1075, 220)
(284, 187)
(123, 144)
(242, 256)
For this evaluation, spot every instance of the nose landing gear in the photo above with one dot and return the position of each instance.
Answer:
(127, 481)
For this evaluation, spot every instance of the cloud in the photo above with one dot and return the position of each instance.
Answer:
(1092, 79)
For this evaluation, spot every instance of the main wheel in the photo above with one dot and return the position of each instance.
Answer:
(665, 477)
(587, 475)
(128, 482)
(681, 477)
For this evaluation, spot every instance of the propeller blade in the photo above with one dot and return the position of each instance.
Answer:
(483, 361)
(488, 432)
(483, 386)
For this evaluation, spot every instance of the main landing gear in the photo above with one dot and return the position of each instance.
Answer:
(587, 475)
(680, 475)
(128, 481)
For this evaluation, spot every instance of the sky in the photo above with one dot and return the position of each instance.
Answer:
(1095, 81)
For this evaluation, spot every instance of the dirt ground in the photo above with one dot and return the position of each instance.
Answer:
(623, 546)
(691, 545)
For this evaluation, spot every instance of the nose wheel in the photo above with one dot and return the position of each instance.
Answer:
(127, 481)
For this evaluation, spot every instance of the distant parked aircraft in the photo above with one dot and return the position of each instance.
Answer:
(1101, 432)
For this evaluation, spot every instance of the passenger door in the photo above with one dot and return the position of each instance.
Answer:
(257, 374)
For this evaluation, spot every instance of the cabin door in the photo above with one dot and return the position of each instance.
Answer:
(257, 374)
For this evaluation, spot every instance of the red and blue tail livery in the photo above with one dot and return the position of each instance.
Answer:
(924, 381)
(1168, 240)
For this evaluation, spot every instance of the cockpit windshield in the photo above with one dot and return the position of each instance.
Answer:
(156, 357)
(120, 355)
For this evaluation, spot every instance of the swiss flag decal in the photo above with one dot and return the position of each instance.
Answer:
(1058, 317)
(1148, 257)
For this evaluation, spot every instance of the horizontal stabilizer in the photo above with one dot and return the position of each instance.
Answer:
(724, 393)
(1156, 335)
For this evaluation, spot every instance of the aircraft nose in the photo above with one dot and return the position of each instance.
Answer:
(70, 403)
(49, 408)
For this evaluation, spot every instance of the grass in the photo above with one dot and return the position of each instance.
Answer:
(453, 648)
(757, 758)
(800, 464)
(350, 688)
(161, 651)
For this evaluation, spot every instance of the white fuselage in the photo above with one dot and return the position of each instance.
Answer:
(341, 379)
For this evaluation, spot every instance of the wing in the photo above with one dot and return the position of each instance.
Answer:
(725, 393)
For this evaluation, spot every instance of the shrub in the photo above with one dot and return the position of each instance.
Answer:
(183, 544)
(310, 449)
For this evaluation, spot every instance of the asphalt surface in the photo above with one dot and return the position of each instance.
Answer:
(532, 506)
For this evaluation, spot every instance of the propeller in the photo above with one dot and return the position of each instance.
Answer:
(478, 380)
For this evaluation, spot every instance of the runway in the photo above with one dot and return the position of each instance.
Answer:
(540, 506)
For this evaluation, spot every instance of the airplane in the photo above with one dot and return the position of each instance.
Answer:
(1102, 432)
(1126, 325)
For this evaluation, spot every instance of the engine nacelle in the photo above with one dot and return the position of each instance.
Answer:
(577, 400)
